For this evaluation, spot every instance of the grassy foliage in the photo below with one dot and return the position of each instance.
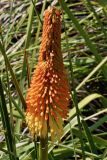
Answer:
(84, 48)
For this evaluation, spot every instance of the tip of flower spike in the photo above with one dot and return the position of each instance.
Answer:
(53, 10)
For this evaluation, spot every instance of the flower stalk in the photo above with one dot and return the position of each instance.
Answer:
(43, 148)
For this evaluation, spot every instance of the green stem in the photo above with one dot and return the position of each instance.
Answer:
(43, 149)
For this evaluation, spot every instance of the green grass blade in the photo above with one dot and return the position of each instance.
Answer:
(88, 42)
(100, 142)
(98, 123)
(6, 124)
(37, 34)
(89, 137)
(74, 96)
(25, 68)
(38, 16)
(92, 73)
(67, 150)
(14, 102)
(91, 8)
(84, 102)
(12, 75)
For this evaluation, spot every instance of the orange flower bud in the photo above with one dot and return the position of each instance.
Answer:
(48, 96)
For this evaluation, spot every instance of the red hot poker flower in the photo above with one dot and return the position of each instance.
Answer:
(48, 96)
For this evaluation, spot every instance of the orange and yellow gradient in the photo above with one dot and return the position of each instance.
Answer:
(48, 96)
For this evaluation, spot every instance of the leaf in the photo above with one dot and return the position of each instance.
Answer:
(84, 102)
(7, 126)
(2, 49)
(102, 2)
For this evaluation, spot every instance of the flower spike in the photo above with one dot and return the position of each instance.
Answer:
(48, 96)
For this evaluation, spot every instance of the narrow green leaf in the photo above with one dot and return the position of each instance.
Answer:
(89, 137)
(13, 75)
(98, 123)
(14, 102)
(100, 142)
(37, 34)
(6, 124)
(66, 149)
(90, 6)
(80, 29)
(84, 34)
(84, 102)
(25, 68)
(92, 73)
